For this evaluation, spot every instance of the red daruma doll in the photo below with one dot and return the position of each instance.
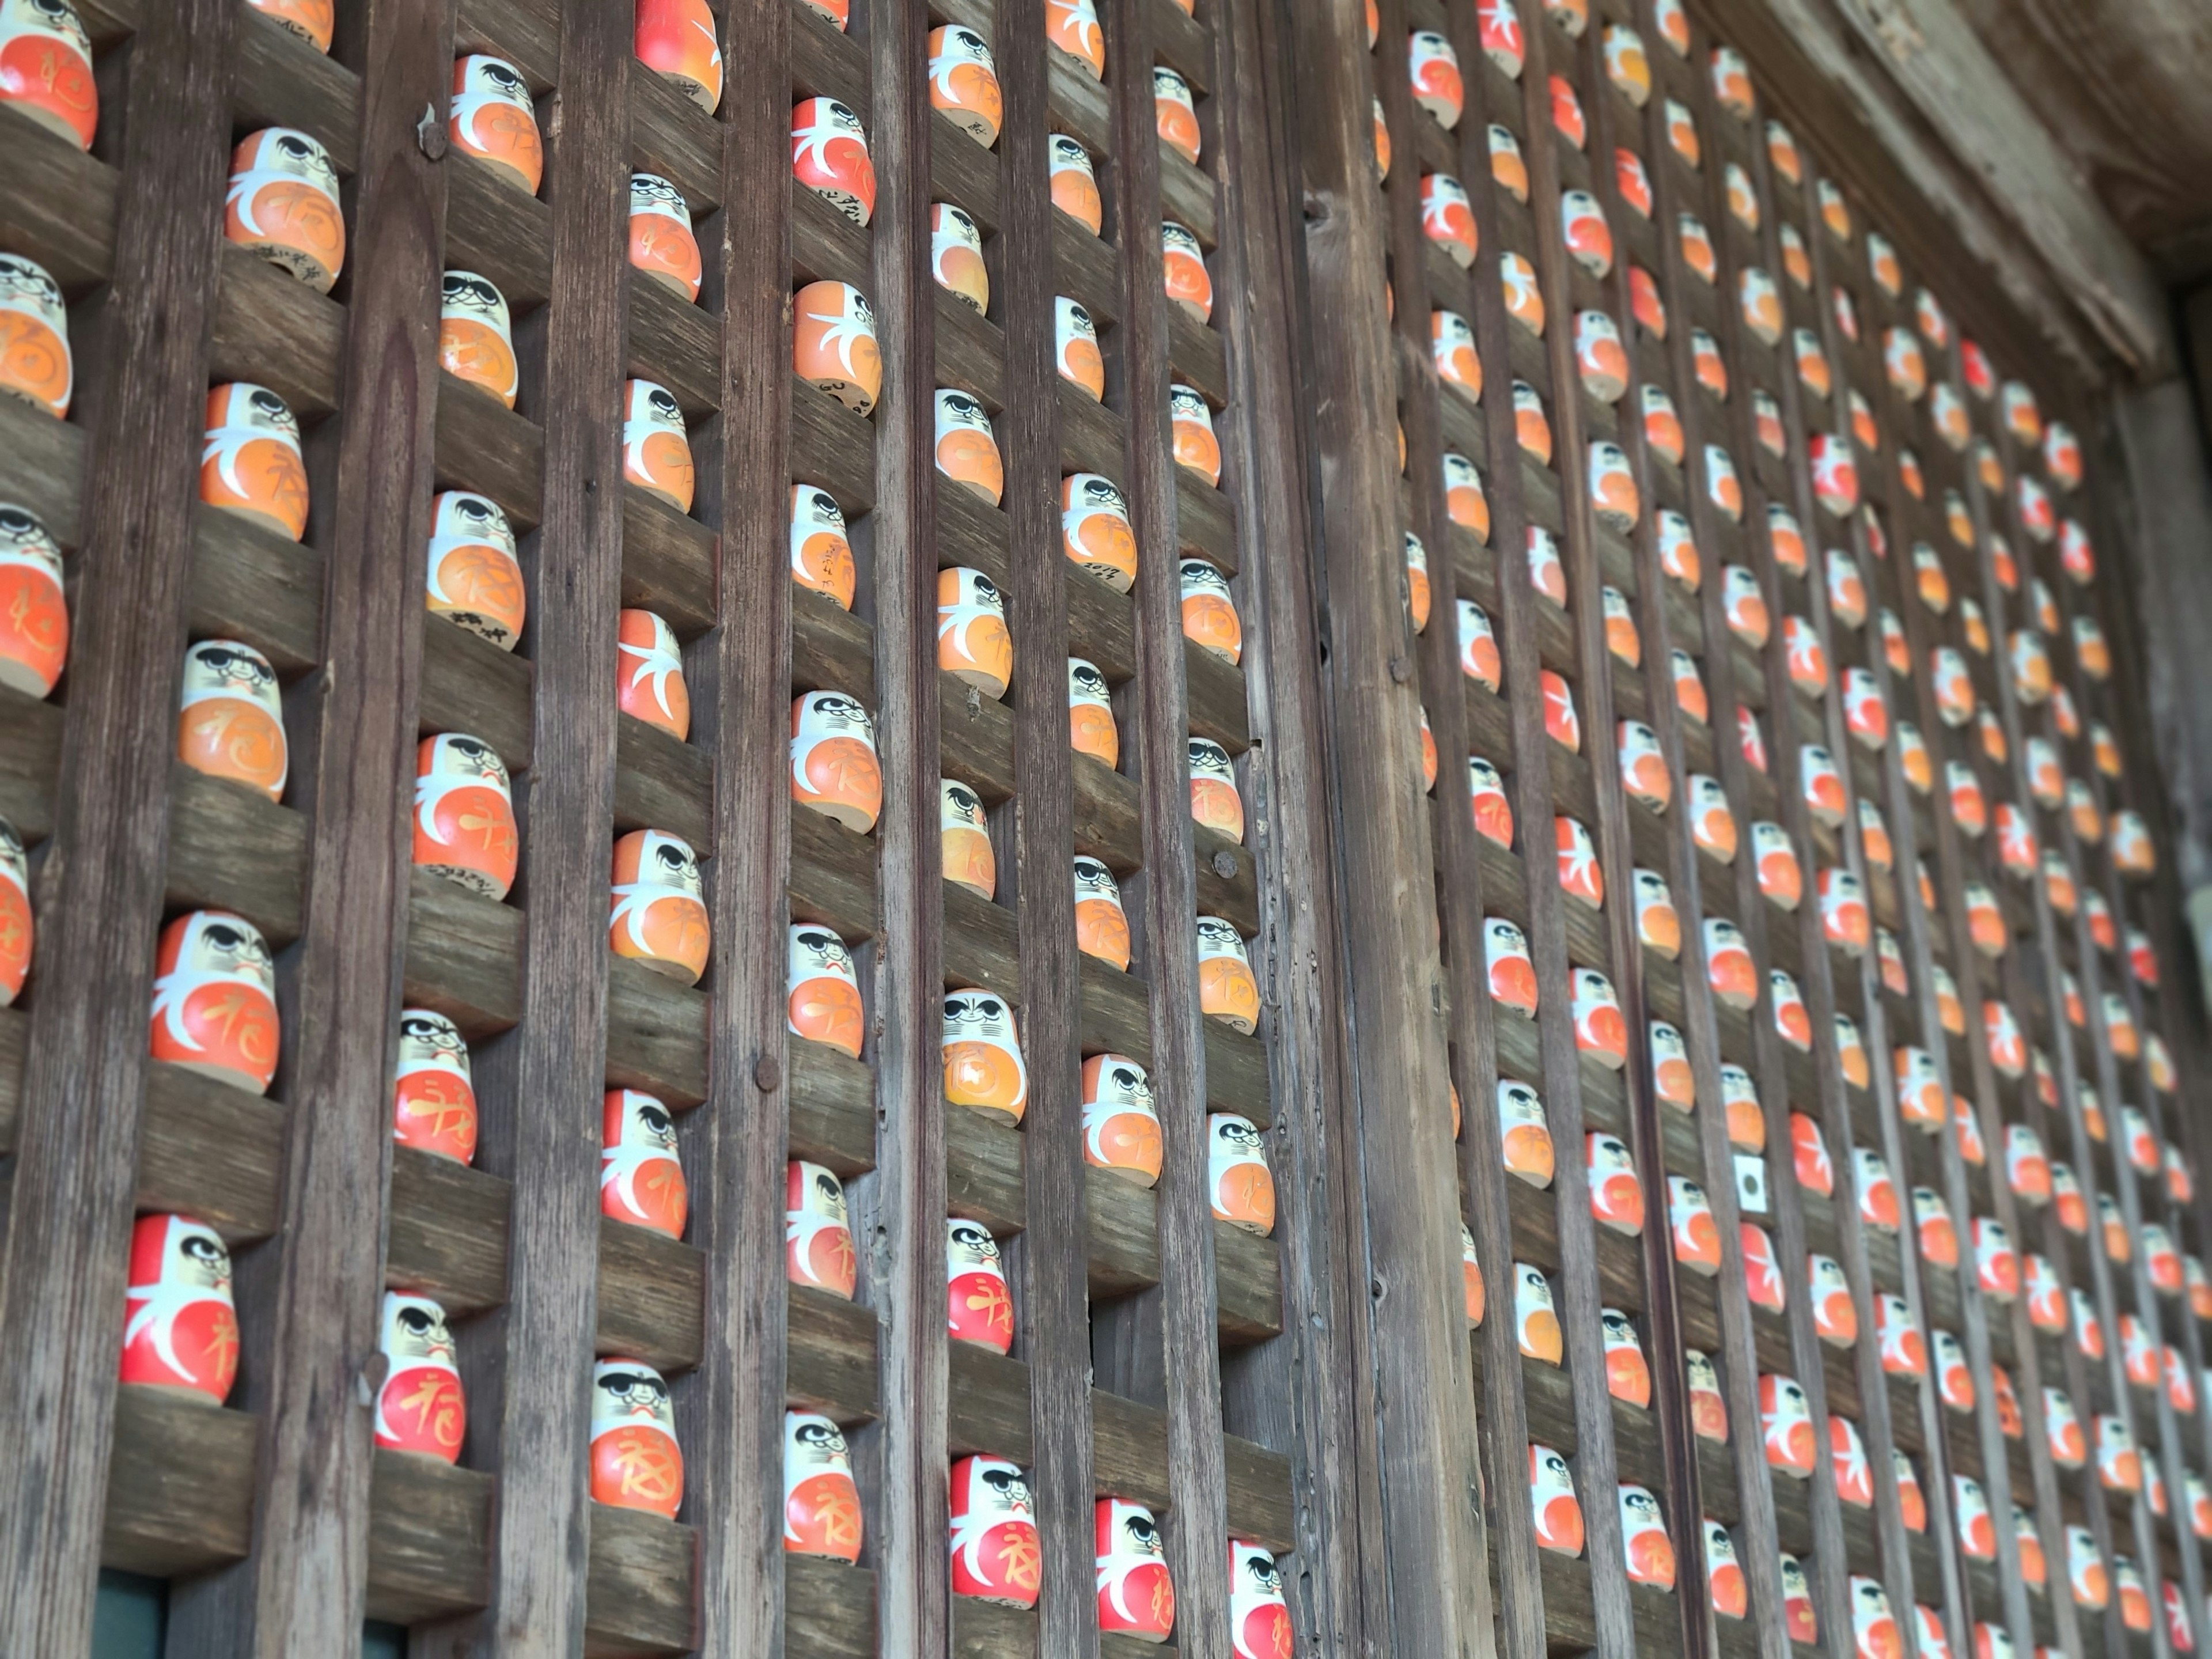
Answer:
(964, 84)
(818, 1238)
(982, 1055)
(215, 999)
(635, 1461)
(659, 917)
(1258, 1620)
(996, 1554)
(641, 1178)
(1136, 1597)
(830, 156)
(35, 364)
(473, 578)
(834, 767)
(283, 205)
(825, 1006)
(1236, 1170)
(649, 682)
(465, 814)
(978, 1306)
(1120, 1126)
(33, 611)
(821, 1504)
(14, 915)
(434, 1098)
(180, 1330)
(420, 1409)
(675, 38)
(250, 461)
(46, 68)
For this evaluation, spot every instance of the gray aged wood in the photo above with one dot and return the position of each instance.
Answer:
(78, 1134)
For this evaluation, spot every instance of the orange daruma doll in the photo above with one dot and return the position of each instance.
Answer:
(15, 933)
(283, 205)
(215, 999)
(635, 1461)
(675, 38)
(956, 256)
(1183, 272)
(33, 608)
(965, 839)
(1209, 614)
(35, 364)
(658, 915)
(1237, 1169)
(821, 556)
(1075, 348)
(834, 767)
(1175, 112)
(656, 449)
(824, 1004)
(494, 119)
(1196, 445)
(420, 1409)
(1214, 801)
(1072, 26)
(1102, 930)
(830, 156)
(180, 1330)
(465, 827)
(475, 342)
(834, 346)
(1075, 183)
(1091, 727)
(661, 245)
(250, 461)
(963, 83)
(1226, 989)
(982, 1055)
(641, 1174)
(473, 578)
(1095, 530)
(46, 68)
(817, 1231)
(434, 1098)
(967, 449)
(230, 719)
(972, 641)
(821, 1504)
(1120, 1127)
(649, 682)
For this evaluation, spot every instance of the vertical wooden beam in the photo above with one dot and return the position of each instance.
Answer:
(76, 1142)
(303, 1588)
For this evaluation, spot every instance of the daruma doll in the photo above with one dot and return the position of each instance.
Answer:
(434, 1098)
(982, 1055)
(658, 915)
(824, 1003)
(821, 556)
(1120, 1126)
(1627, 1373)
(1785, 1421)
(675, 38)
(834, 767)
(1214, 801)
(180, 1329)
(1447, 219)
(1075, 183)
(1780, 879)
(1470, 1271)
(35, 363)
(973, 644)
(1091, 727)
(1512, 976)
(641, 1175)
(283, 204)
(1809, 1159)
(1650, 1553)
(1236, 1171)
(1875, 1634)
(996, 1553)
(1493, 813)
(1182, 264)
(1612, 490)
(1599, 1030)
(821, 1504)
(656, 449)
(649, 678)
(1697, 1234)
(1835, 1320)
(1209, 614)
(1452, 350)
(1658, 924)
(1847, 1460)
(1434, 69)
(830, 156)
(1477, 646)
(1524, 1133)
(465, 827)
(494, 119)
(1175, 112)
(1136, 1597)
(1712, 826)
(661, 245)
(1671, 1077)
(1259, 1619)
(965, 839)
(1075, 348)
(963, 83)
(1102, 928)
(817, 1235)
(1418, 595)
(1762, 1283)
(1195, 443)
(1708, 1408)
(1730, 970)
(33, 605)
(421, 1408)
(956, 255)
(1580, 876)
(1616, 1198)
(230, 717)
(45, 67)
(1600, 356)
(1094, 531)
(1226, 989)
(1643, 773)
(979, 1308)
(1552, 1494)
(473, 578)
(834, 346)
(475, 342)
(15, 931)
(635, 1461)
(250, 460)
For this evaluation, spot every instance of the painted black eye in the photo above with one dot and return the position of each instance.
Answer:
(17, 524)
(991, 1007)
(267, 404)
(663, 405)
(414, 1322)
(224, 937)
(655, 1119)
(297, 148)
(204, 1251)
(669, 858)
(503, 77)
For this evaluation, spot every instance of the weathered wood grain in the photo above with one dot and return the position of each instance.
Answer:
(179, 1495)
(429, 1538)
(641, 1593)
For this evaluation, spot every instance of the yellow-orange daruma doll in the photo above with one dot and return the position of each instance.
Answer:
(1209, 614)
(1237, 1168)
(473, 578)
(475, 342)
(833, 346)
(661, 245)
(956, 256)
(1175, 112)
(649, 683)
(1094, 531)
(982, 1055)
(35, 364)
(965, 839)
(675, 38)
(656, 449)
(1091, 727)
(1075, 348)
(963, 83)
(46, 68)
(818, 1233)
(1196, 445)
(834, 769)
(1214, 801)
(250, 460)
(494, 119)
(825, 1002)
(967, 448)
(1226, 989)
(1102, 929)
(283, 205)
(1075, 183)
(973, 644)
(1120, 1127)
(821, 556)
(658, 915)
(230, 720)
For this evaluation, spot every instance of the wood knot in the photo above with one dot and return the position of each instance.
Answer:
(1225, 865)
(430, 134)
(766, 1074)
(1400, 670)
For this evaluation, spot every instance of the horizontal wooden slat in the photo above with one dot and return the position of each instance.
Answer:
(179, 1485)
(429, 1538)
(639, 1594)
